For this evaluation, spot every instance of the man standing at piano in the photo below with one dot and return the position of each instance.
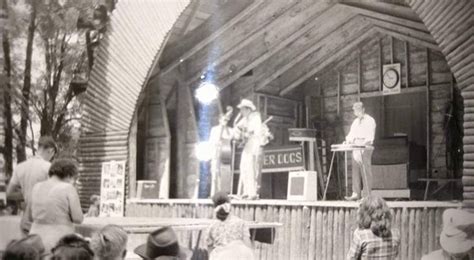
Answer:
(362, 132)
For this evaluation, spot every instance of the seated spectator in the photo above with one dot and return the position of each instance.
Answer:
(72, 247)
(55, 204)
(28, 248)
(229, 237)
(163, 244)
(110, 243)
(457, 237)
(94, 207)
(374, 238)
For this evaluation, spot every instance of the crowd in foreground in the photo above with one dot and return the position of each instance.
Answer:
(53, 207)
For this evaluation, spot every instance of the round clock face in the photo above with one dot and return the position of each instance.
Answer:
(390, 78)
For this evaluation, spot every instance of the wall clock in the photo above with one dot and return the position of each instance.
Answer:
(391, 78)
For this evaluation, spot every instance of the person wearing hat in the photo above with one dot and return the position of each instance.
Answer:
(29, 173)
(457, 237)
(362, 132)
(163, 244)
(248, 129)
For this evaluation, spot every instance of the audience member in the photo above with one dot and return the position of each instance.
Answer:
(163, 244)
(72, 247)
(374, 238)
(110, 243)
(229, 237)
(457, 237)
(28, 248)
(94, 207)
(29, 173)
(55, 203)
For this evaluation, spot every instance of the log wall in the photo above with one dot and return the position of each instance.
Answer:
(452, 25)
(359, 76)
(313, 230)
(93, 151)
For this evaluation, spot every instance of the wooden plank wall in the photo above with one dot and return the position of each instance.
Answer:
(156, 146)
(312, 231)
(342, 83)
(452, 25)
(93, 151)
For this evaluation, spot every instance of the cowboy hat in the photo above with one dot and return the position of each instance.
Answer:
(246, 103)
(456, 236)
(162, 244)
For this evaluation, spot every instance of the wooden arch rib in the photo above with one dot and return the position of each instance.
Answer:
(135, 35)
(452, 25)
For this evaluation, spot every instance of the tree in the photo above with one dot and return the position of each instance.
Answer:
(42, 91)
(7, 109)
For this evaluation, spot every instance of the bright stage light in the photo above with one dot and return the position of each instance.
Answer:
(207, 92)
(203, 151)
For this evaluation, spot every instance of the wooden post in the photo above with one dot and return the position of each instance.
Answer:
(359, 75)
(338, 93)
(391, 50)
(132, 156)
(407, 64)
(382, 123)
(428, 114)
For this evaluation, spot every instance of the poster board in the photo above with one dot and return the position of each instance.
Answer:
(112, 189)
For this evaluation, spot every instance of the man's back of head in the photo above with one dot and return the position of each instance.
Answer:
(47, 147)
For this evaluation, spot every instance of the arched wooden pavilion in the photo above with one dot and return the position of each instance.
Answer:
(290, 58)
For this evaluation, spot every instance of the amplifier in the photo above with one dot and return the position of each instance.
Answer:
(147, 189)
(302, 185)
(302, 134)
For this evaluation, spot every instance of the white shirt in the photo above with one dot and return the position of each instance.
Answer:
(362, 130)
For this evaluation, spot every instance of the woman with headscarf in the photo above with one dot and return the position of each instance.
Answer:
(374, 238)
(229, 236)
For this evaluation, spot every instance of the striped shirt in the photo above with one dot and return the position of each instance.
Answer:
(366, 245)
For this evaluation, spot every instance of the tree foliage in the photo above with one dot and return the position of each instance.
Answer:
(47, 51)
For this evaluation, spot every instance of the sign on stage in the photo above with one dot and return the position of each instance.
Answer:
(280, 159)
(283, 159)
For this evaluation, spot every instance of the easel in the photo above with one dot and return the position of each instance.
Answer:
(307, 137)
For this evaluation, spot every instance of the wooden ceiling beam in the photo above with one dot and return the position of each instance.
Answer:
(386, 17)
(407, 38)
(333, 52)
(387, 8)
(263, 43)
(278, 64)
(243, 33)
(230, 16)
(409, 32)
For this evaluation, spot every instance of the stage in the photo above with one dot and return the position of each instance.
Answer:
(311, 230)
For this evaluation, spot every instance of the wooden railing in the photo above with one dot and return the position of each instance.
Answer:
(313, 230)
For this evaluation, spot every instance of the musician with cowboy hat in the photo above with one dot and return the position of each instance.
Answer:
(248, 129)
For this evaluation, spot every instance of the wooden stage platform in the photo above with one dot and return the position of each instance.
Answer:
(311, 230)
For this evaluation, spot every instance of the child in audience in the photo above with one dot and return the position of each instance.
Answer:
(94, 207)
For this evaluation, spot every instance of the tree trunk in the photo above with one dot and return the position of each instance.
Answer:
(7, 109)
(25, 103)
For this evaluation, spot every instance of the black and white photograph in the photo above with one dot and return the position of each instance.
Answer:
(237, 129)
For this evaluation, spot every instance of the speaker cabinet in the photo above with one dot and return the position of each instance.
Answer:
(147, 189)
(302, 185)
